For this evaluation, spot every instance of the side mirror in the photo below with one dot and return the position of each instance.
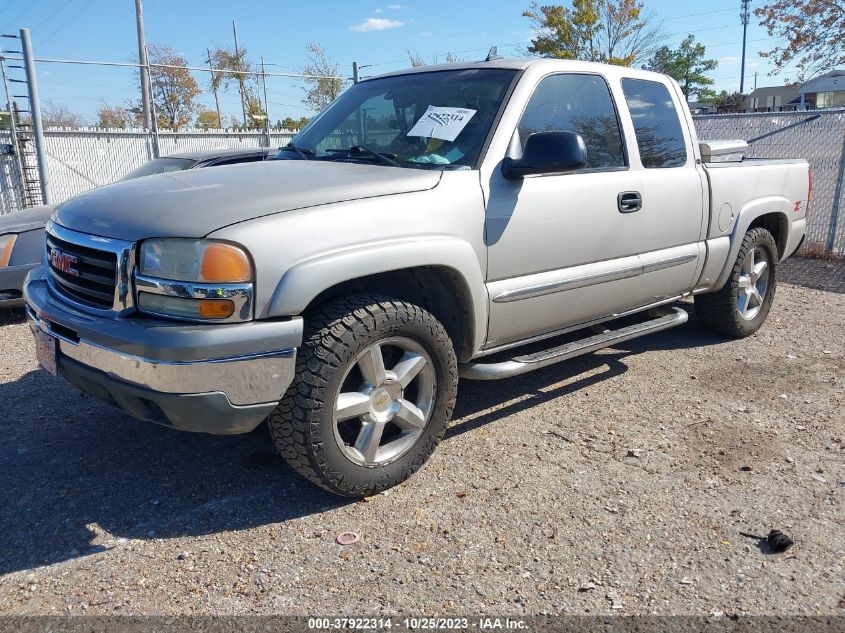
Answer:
(547, 153)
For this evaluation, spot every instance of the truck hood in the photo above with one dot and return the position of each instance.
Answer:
(26, 219)
(196, 202)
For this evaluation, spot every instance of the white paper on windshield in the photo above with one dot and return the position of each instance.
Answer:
(442, 122)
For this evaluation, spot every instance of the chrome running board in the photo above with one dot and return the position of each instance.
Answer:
(544, 358)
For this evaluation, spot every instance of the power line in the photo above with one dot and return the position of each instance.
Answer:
(66, 22)
(762, 39)
(52, 15)
(695, 15)
(47, 60)
(22, 13)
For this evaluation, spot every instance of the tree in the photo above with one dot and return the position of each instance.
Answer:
(255, 113)
(324, 84)
(234, 68)
(729, 102)
(174, 89)
(611, 31)
(814, 31)
(289, 123)
(687, 64)
(57, 115)
(208, 119)
(117, 116)
(417, 60)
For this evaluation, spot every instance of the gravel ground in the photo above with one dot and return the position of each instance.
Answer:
(821, 274)
(615, 483)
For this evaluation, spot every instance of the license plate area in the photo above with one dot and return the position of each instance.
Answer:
(45, 351)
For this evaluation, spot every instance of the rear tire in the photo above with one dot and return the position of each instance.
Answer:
(742, 305)
(376, 382)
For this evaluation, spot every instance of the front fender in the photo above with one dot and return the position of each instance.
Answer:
(304, 281)
(778, 205)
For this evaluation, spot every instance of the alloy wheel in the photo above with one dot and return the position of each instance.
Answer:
(753, 283)
(380, 413)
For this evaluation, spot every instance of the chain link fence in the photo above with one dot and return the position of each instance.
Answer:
(818, 136)
(79, 160)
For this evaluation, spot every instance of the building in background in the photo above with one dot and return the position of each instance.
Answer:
(825, 91)
(774, 99)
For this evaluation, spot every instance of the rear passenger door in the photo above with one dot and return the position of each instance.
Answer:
(673, 190)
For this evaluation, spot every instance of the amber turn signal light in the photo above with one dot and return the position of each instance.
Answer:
(216, 308)
(7, 243)
(223, 263)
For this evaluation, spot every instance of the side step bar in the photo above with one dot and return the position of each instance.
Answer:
(544, 358)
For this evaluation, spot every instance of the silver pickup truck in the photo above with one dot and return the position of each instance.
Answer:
(475, 219)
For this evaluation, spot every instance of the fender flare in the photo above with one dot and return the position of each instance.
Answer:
(778, 205)
(305, 280)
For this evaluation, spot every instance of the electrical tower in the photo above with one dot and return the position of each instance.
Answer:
(744, 15)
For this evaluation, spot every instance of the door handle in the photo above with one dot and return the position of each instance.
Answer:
(629, 201)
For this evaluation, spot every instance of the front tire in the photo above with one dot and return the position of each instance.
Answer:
(376, 382)
(742, 305)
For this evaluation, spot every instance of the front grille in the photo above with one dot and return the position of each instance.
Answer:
(90, 275)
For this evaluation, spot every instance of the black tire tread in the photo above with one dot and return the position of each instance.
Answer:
(331, 328)
(715, 311)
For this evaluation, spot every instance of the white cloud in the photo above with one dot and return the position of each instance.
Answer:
(426, 34)
(376, 24)
(394, 7)
(377, 11)
(735, 59)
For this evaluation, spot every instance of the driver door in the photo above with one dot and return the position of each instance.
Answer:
(562, 248)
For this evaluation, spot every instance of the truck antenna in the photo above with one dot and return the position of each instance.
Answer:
(493, 54)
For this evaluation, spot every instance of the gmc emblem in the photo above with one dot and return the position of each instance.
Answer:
(63, 262)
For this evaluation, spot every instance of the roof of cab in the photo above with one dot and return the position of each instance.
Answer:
(522, 64)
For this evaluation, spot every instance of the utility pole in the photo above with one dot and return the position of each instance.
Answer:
(154, 121)
(359, 119)
(35, 113)
(214, 90)
(266, 105)
(145, 68)
(13, 132)
(744, 15)
(240, 77)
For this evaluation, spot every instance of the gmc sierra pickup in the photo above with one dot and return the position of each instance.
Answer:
(473, 219)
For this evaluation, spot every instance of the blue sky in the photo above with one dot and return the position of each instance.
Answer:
(377, 33)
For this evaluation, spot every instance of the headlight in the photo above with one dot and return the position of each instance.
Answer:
(195, 260)
(7, 243)
(199, 280)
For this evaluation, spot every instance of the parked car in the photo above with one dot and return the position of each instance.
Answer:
(430, 223)
(22, 232)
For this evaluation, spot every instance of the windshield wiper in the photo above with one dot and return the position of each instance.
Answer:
(363, 149)
(303, 152)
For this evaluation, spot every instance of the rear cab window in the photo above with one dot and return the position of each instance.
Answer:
(657, 125)
(578, 103)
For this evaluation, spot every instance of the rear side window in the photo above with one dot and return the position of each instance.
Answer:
(577, 103)
(660, 136)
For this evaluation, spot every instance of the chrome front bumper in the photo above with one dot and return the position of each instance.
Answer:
(190, 377)
(245, 380)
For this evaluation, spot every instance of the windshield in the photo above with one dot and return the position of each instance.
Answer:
(437, 118)
(160, 166)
